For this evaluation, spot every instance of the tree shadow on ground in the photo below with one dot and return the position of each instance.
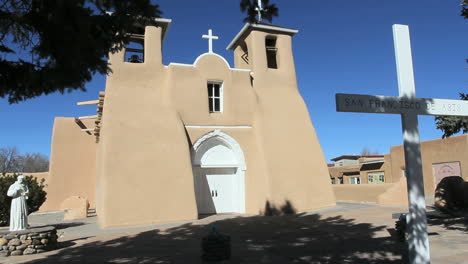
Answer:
(449, 222)
(258, 239)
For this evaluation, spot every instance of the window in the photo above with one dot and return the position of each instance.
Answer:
(271, 50)
(355, 180)
(376, 177)
(340, 180)
(333, 180)
(381, 178)
(215, 97)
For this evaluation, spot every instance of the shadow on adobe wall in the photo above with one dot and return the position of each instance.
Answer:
(292, 238)
(286, 209)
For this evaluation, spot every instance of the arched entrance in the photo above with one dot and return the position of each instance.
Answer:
(219, 170)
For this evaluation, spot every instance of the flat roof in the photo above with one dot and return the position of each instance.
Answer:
(373, 161)
(164, 23)
(355, 157)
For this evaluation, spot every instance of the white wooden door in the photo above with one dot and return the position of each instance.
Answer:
(223, 190)
(211, 179)
(203, 194)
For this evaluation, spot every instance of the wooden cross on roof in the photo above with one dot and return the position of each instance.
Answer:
(210, 38)
(259, 10)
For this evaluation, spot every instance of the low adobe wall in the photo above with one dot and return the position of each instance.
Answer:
(396, 195)
(393, 194)
(72, 170)
(367, 193)
(38, 175)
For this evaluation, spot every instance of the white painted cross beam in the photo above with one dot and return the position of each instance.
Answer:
(399, 105)
(409, 107)
(259, 10)
(210, 38)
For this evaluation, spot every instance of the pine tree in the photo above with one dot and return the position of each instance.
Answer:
(451, 125)
(256, 11)
(57, 45)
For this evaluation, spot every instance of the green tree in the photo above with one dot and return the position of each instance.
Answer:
(451, 125)
(37, 195)
(255, 14)
(464, 12)
(57, 45)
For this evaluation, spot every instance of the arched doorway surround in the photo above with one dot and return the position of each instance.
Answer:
(219, 174)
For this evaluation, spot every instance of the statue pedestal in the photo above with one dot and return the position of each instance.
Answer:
(29, 241)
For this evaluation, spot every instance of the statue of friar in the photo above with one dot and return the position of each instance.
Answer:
(19, 210)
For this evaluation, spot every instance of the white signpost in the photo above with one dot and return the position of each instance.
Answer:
(409, 107)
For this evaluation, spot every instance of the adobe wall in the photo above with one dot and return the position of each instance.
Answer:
(72, 169)
(295, 164)
(385, 167)
(256, 180)
(188, 93)
(152, 117)
(391, 194)
(368, 193)
(145, 165)
(337, 172)
(390, 176)
(434, 151)
(190, 97)
(38, 175)
(397, 195)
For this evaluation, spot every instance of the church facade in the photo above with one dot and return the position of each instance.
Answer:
(172, 142)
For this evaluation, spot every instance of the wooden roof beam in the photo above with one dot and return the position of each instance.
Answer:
(88, 117)
(92, 102)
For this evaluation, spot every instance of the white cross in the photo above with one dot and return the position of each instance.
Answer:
(210, 38)
(259, 10)
(409, 107)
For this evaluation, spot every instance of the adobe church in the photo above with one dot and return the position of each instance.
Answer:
(172, 142)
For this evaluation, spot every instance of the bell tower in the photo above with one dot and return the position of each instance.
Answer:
(295, 165)
(266, 50)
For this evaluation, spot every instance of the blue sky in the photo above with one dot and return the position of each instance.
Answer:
(342, 47)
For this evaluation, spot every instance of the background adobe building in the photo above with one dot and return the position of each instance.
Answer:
(381, 178)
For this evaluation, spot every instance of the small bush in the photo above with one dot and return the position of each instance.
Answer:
(37, 195)
(451, 195)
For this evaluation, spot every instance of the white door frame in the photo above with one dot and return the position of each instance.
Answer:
(212, 139)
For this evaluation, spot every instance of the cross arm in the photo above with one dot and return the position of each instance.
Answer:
(359, 103)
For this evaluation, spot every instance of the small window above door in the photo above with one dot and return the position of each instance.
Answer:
(215, 96)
